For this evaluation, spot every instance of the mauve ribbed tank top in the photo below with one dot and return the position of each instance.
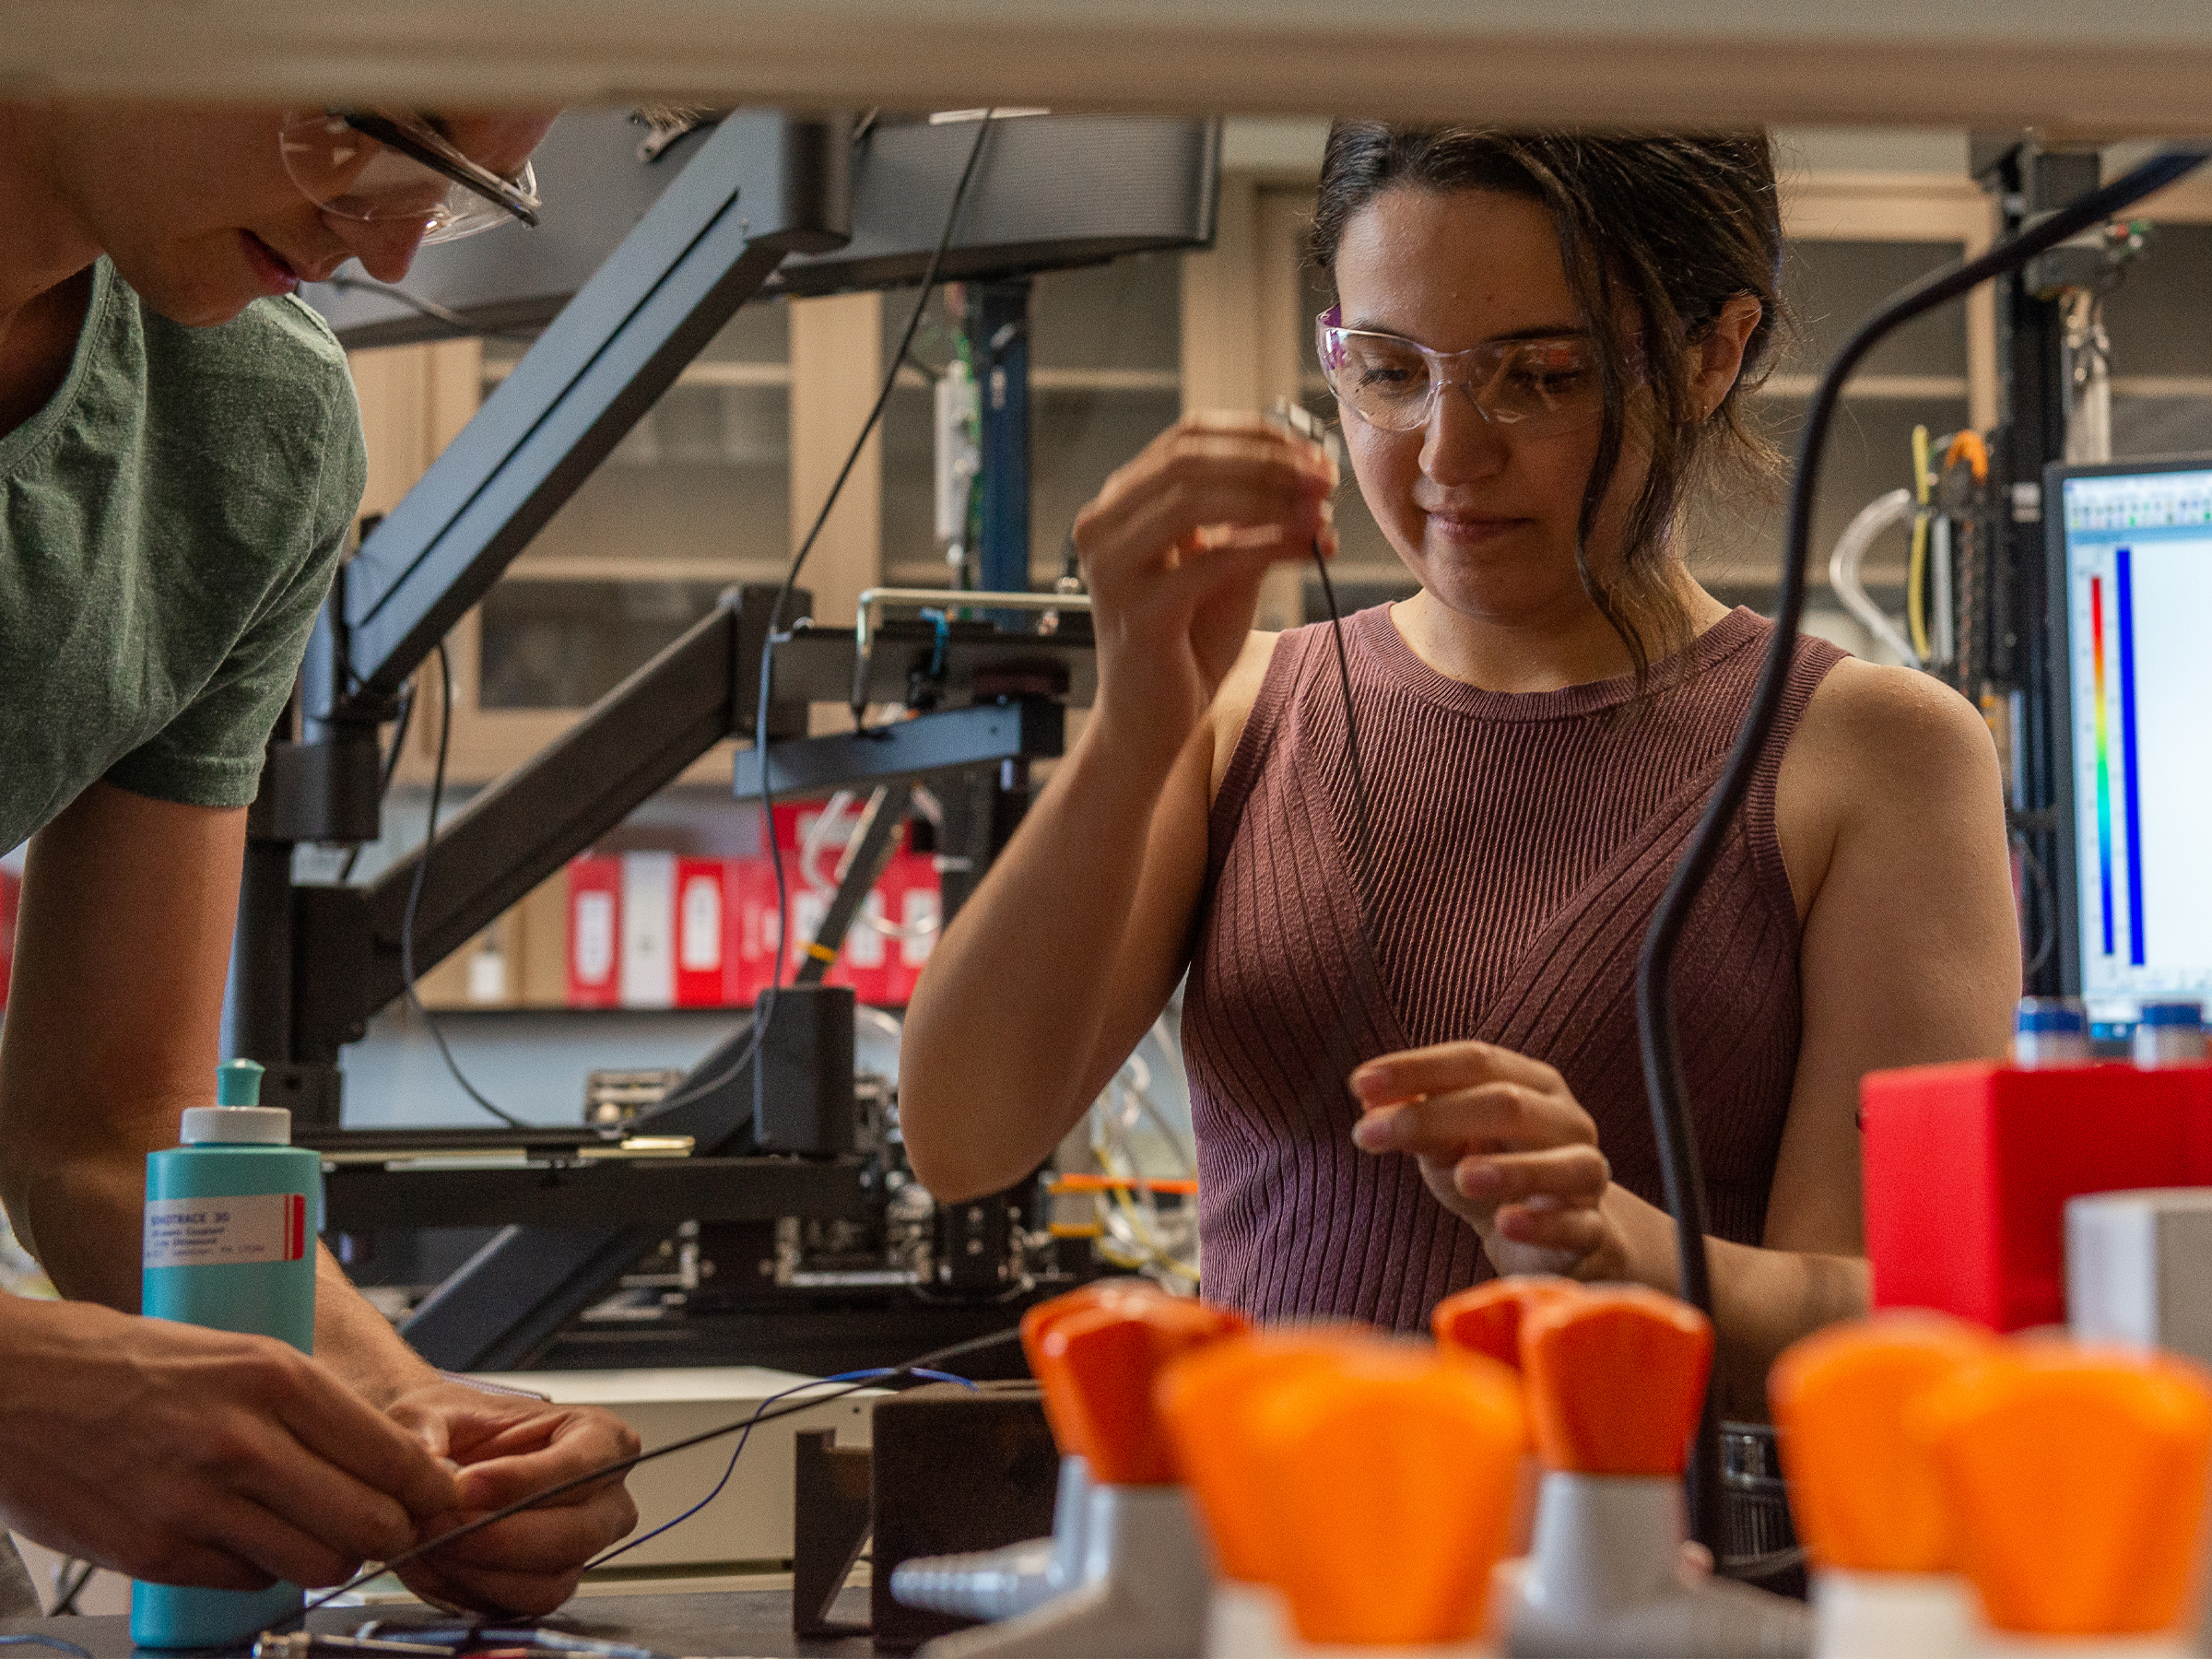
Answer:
(1521, 843)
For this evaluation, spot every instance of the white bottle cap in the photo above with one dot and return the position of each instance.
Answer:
(237, 1126)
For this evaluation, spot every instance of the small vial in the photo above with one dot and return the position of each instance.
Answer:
(2169, 1032)
(2050, 1031)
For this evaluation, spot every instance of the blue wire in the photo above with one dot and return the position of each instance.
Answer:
(853, 1376)
(46, 1642)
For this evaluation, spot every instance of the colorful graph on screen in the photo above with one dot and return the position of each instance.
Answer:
(2137, 565)
(2104, 760)
(2116, 683)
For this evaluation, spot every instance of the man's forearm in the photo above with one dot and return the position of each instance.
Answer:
(82, 1219)
(81, 1215)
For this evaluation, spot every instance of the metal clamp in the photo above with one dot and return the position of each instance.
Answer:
(863, 617)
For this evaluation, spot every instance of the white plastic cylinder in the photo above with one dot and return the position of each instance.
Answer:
(1247, 1621)
(1886, 1615)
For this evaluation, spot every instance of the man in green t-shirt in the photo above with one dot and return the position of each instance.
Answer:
(181, 456)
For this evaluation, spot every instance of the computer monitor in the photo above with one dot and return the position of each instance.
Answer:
(2130, 583)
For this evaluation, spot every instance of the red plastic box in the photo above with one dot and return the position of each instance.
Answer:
(1969, 1168)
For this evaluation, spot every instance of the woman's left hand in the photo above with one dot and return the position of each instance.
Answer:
(1504, 1145)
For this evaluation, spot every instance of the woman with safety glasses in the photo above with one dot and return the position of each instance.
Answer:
(182, 459)
(1413, 1067)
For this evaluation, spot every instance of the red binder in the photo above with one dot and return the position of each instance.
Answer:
(595, 933)
(700, 943)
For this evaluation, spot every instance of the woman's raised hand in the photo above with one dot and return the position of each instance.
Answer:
(1504, 1145)
(1175, 547)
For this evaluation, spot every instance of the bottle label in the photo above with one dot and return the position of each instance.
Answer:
(214, 1232)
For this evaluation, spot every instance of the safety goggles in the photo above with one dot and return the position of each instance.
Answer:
(1537, 387)
(388, 167)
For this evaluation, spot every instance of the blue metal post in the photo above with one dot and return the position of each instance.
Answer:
(998, 325)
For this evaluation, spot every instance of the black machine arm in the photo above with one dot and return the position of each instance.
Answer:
(765, 192)
(639, 738)
(766, 184)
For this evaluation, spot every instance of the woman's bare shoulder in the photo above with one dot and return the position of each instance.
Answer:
(1880, 742)
(1895, 727)
(1239, 690)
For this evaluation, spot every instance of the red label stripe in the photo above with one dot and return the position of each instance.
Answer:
(295, 1226)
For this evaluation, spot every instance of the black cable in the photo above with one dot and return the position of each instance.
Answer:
(791, 580)
(932, 1360)
(1663, 1076)
(1366, 962)
(384, 782)
(1364, 878)
(874, 1375)
(422, 869)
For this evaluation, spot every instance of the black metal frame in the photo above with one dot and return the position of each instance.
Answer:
(2026, 182)
(765, 185)
(313, 964)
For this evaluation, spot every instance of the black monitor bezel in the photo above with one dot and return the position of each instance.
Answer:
(2065, 880)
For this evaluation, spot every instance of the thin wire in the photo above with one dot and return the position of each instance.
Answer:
(1366, 971)
(427, 307)
(54, 1643)
(798, 563)
(622, 1466)
(422, 869)
(1365, 877)
(1681, 1175)
(877, 1374)
(65, 1597)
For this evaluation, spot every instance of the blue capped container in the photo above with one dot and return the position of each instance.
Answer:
(2050, 1031)
(232, 1217)
(2169, 1032)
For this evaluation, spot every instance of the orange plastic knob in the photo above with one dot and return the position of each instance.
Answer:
(1395, 1479)
(1864, 1492)
(2077, 1478)
(1041, 1317)
(1615, 1380)
(1098, 1365)
(1486, 1319)
(1211, 1401)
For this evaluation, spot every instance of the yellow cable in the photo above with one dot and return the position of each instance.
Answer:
(1916, 573)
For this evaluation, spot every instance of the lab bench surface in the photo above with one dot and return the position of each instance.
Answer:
(726, 1624)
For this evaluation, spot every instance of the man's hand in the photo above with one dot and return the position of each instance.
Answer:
(182, 1456)
(507, 1447)
(1504, 1145)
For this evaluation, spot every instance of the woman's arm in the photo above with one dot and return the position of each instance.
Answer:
(1909, 954)
(1070, 945)
(1892, 826)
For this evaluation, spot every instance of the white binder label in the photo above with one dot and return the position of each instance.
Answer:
(214, 1232)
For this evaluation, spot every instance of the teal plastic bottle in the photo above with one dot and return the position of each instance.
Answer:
(230, 1222)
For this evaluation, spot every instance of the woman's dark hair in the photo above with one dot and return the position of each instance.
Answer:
(1657, 233)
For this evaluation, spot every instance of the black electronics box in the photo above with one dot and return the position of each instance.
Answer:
(803, 1071)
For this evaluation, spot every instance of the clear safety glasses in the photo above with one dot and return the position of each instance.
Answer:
(389, 166)
(1537, 387)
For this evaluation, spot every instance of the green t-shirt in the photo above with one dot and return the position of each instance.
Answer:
(168, 530)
